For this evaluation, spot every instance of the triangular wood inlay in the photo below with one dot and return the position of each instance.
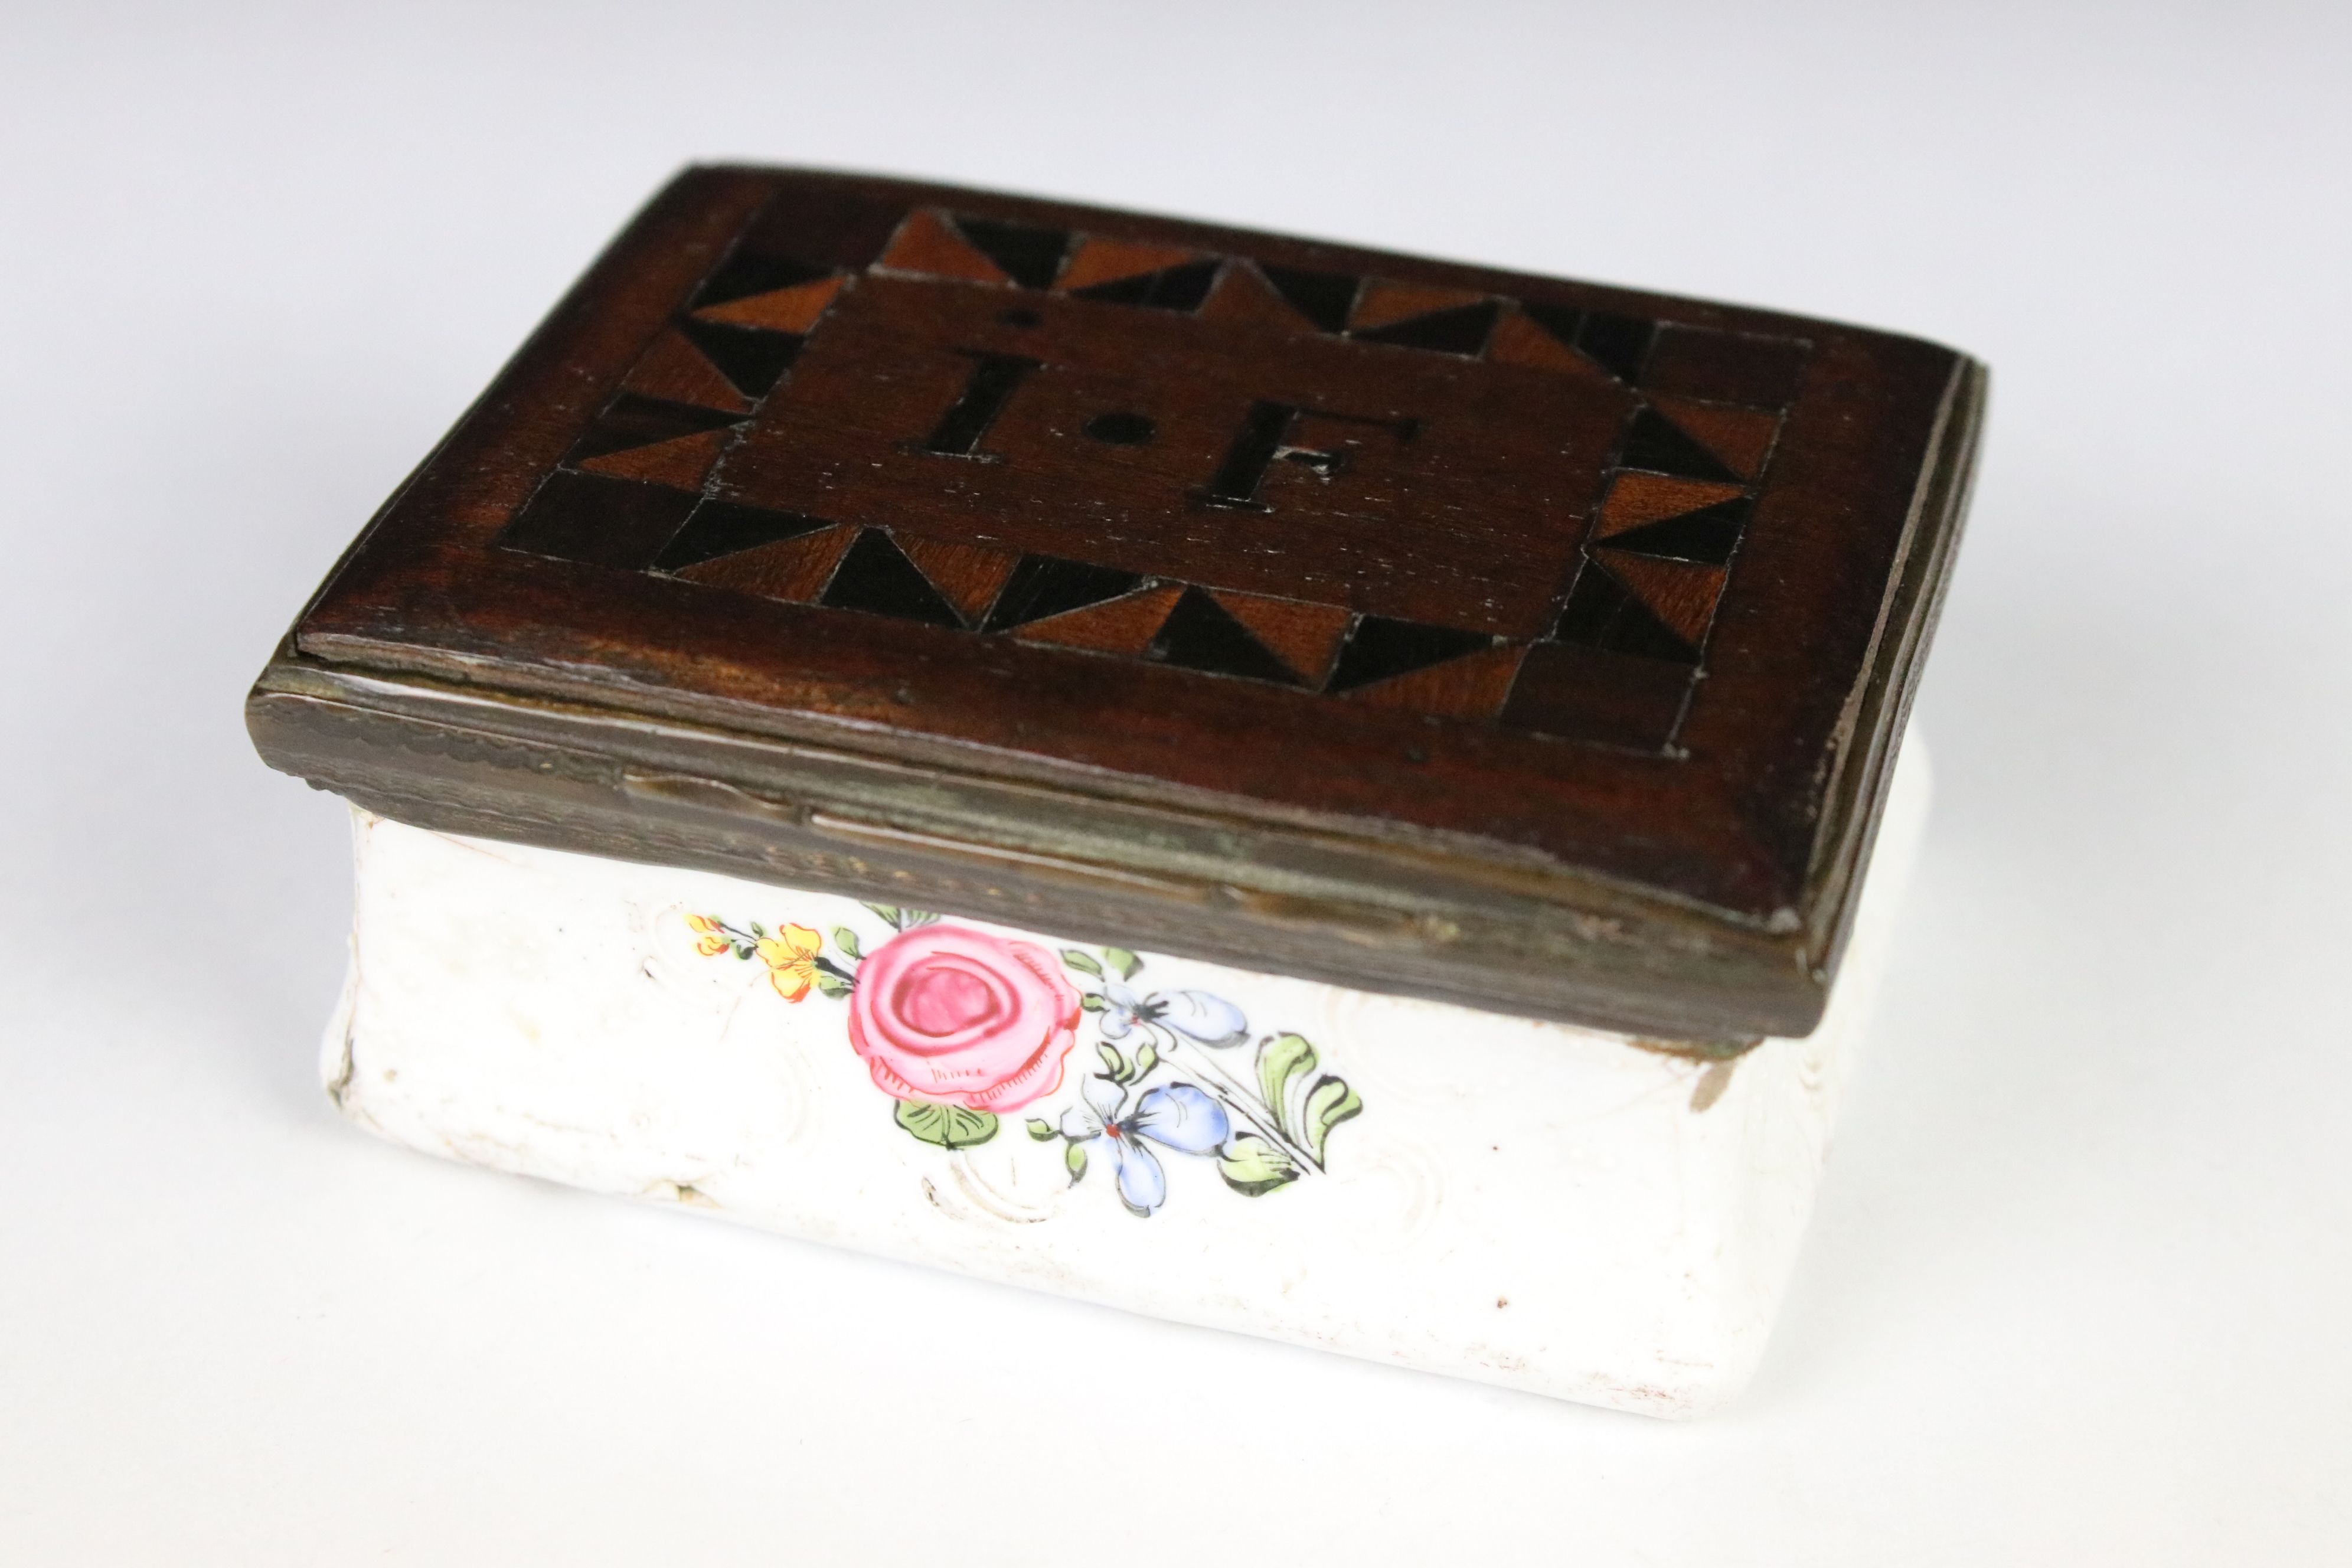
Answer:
(753, 360)
(1028, 253)
(969, 575)
(1123, 626)
(793, 309)
(1680, 594)
(683, 463)
(1474, 687)
(1201, 633)
(1304, 636)
(630, 421)
(876, 578)
(718, 528)
(1637, 499)
(1742, 437)
(675, 369)
(1460, 330)
(1108, 261)
(1245, 298)
(1656, 445)
(1708, 535)
(1382, 647)
(1043, 587)
(1602, 611)
(1384, 304)
(795, 569)
(1518, 339)
(926, 243)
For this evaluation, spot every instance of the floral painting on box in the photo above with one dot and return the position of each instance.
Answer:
(960, 1027)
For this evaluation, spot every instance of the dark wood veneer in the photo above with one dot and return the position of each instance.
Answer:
(1433, 629)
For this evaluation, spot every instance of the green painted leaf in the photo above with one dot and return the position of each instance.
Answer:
(1328, 1103)
(1074, 1155)
(916, 917)
(742, 953)
(890, 915)
(846, 941)
(1113, 1061)
(1040, 1131)
(948, 1126)
(1254, 1167)
(1146, 1058)
(1092, 1002)
(1126, 963)
(758, 929)
(1082, 963)
(828, 985)
(1279, 1060)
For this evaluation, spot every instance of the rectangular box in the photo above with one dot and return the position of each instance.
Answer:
(1363, 672)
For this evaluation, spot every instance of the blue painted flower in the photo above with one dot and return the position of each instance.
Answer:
(1195, 1014)
(1175, 1116)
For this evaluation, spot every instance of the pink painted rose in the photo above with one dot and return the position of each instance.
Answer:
(954, 1015)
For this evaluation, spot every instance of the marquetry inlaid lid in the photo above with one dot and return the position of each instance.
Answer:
(1423, 628)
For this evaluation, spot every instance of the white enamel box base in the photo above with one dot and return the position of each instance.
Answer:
(1547, 1207)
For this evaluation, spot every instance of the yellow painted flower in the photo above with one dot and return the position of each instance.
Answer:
(791, 957)
(712, 940)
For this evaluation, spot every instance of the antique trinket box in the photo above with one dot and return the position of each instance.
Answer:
(1327, 793)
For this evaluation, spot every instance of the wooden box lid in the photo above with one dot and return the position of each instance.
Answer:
(1514, 642)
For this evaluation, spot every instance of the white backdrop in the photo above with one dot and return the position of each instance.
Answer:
(2078, 1288)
